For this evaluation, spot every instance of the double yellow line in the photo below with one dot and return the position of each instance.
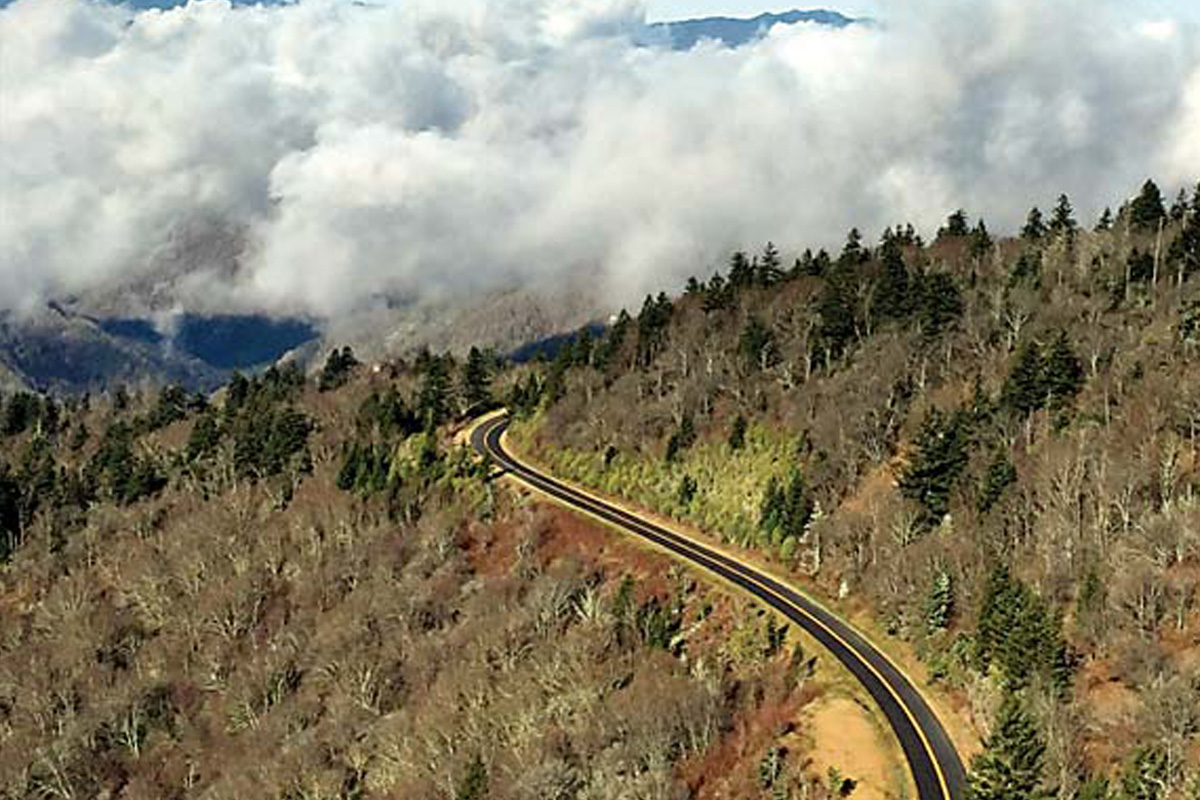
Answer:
(705, 553)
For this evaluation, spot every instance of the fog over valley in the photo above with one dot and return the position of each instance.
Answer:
(361, 156)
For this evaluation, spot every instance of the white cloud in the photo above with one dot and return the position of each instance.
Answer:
(429, 149)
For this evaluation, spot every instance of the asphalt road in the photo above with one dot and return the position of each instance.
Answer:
(935, 765)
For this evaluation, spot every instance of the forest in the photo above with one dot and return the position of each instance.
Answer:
(984, 449)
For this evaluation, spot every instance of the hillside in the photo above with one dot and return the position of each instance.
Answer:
(308, 589)
(983, 451)
(987, 447)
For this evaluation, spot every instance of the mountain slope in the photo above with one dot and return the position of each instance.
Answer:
(735, 32)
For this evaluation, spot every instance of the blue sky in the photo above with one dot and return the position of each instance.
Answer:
(676, 9)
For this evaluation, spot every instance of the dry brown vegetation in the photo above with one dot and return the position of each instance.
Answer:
(276, 637)
(1099, 517)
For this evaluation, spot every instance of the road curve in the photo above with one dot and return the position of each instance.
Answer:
(936, 768)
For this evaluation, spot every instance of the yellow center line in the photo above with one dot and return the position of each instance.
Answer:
(752, 575)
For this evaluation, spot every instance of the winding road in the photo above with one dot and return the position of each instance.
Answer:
(936, 768)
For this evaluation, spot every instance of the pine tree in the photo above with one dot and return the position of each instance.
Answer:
(1035, 226)
(741, 274)
(940, 303)
(999, 476)
(893, 297)
(737, 433)
(939, 458)
(337, 369)
(1023, 389)
(771, 511)
(853, 251)
(981, 240)
(1062, 221)
(204, 438)
(433, 403)
(769, 272)
(757, 344)
(797, 506)
(687, 490)
(476, 381)
(939, 608)
(1062, 372)
(1010, 766)
(1146, 210)
(1179, 208)
(956, 225)
(1105, 222)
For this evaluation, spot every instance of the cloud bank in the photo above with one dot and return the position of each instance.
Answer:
(426, 150)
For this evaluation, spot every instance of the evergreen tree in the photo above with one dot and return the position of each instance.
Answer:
(1179, 208)
(1062, 372)
(1023, 389)
(687, 490)
(476, 381)
(1035, 226)
(1019, 635)
(1010, 766)
(204, 438)
(853, 251)
(433, 402)
(981, 240)
(1105, 222)
(1146, 210)
(771, 510)
(797, 506)
(1062, 221)
(893, 297)
(939, 607)
(337, 369)
(956, 225)
(737, 433)
(999, 476)
(741, 273)
(837, 328)
(769, 271)
(757, 344)
(940, 302)
(938, 460)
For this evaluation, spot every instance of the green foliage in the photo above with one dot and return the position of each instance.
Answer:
(1035, 226)
(474, 785)
(386, 415)
(836, 309)
(172, 406)
(737, 433)
(1010, 766)
(127, 477)
(893, 297)
(1037, 379)
(337, 370)
(1146, 776)
(769, 271)
(605, 353)
(999, 476)
(687, 490)
(938, 460)
(21, 412)
(10, 514)
(1020, 635)
(785, 512)
(477, 381)
(770, 766)
(1062, 221)
(204, 438)
(266, 438)
(433, 400)
(652, 325)
(1146, 210)
(681, 439)
(939, 606)
(956, 225)
(939, 303)
(757, 345)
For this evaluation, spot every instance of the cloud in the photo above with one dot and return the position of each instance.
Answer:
(430, 150)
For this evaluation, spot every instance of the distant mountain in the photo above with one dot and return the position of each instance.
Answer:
(735, 32)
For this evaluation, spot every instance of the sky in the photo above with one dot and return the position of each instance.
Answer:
(436, 150)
